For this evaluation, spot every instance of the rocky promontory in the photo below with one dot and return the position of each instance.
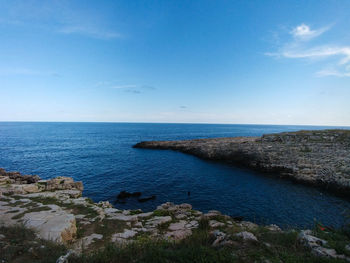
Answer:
(320, 158)
(50, 221)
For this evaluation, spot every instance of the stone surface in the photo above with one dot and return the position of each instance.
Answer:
(274, 228)
(179, 234)
(86, 241)
(317, 245)
(158, 220)
(54, 215)
(214, 223)
(59, 226)
(307, 239)
(219, 237)
(320, 158)
(247, 236)
(64, 258)
(177, 226)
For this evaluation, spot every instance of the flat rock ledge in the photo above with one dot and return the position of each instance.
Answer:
(320, 158)
(56, 211)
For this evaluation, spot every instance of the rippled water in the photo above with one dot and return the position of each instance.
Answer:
(101, 155)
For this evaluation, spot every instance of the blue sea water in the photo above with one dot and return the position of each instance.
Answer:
(101, 155)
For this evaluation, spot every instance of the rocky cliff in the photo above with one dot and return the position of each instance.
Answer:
(320, 158)
(56, 211)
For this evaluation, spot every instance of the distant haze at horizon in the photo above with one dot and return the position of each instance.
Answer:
(188, 123)
(215, 62)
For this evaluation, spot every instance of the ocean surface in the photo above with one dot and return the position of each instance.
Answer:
(101, 155)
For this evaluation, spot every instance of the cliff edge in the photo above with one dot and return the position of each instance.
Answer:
(50, 221)
(320, 158)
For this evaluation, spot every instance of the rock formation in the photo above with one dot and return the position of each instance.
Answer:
(320, 158)
(56, 211)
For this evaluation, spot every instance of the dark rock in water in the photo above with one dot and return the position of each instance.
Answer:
(237, 218)
(124, 194)
(120, 201)
(141, 200)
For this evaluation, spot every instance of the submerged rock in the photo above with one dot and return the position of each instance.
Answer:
(125, 194)
(141, 200)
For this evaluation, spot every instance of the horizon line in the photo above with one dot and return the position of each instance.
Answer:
(199, 123)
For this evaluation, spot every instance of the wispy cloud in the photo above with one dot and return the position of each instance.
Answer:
(303, 32)
(301, 47)
(60, 17)
(136, 89)
(89, 32)
(332, 72)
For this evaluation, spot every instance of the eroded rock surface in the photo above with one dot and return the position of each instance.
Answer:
(320, 158)
(64, 216)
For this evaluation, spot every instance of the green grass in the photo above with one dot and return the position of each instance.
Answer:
(161, 213)
(17, 203)
(135, 212)
(46, 200)
(86, 210)
(336, 239)
(146, 250)
(12, 211)
(21, 245)
(283, 247)
(5, 199)
(272, 247)
(35, 209)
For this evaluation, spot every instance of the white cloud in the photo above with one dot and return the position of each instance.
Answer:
(137, 89)
(57, 16)
(303, 32)
(337, 56)
(317, 52)
(89, 31)
(333, 72)
(124, 87)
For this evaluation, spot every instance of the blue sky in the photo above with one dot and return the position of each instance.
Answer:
(260, 62)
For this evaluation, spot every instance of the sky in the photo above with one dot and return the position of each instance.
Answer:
(242, 62)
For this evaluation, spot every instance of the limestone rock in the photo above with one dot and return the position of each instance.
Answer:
(59, 226)
(274, 228)
(158, 220)
(307, 239)
(215, 224)
(319, 157)
(85, 242)
(220, 237)
(178, 234)
(177, 226)
(247, 236)
(64, 258)
(122, 237)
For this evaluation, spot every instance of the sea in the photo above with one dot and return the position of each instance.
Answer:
(101, 156)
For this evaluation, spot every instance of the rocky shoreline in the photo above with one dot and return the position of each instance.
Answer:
(319, 158)
(56, 211)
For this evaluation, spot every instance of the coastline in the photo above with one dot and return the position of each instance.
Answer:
(318, 158)
(56, 211)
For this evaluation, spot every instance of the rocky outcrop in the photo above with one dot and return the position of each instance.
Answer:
(320, 158)
(16, 183)
(55, 224)
(318, 246)
(64, 216)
